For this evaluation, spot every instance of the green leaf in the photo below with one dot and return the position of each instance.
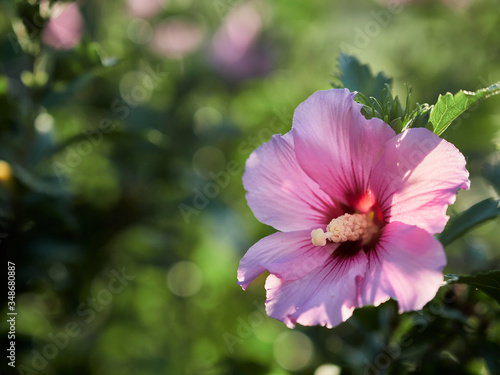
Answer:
(358, 77)
(480, 212)
(419, 117)
(448, 107)
(486, 282)
(374, 93)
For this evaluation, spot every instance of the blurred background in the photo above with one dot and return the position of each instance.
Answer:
(124, 129)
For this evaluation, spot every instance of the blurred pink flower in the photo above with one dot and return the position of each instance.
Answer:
(235, 50)
(145, 8)
(176, 38)
(64, 29)
(356, 206)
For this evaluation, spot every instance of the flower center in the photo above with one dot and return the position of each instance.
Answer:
(348, 227)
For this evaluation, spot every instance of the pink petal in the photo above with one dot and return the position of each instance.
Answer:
(279, 193)
(289, 255)
(335, 145)
(408, 266)
(326, 296)
(418, 177)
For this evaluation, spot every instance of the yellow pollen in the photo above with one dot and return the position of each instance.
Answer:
(348, 227)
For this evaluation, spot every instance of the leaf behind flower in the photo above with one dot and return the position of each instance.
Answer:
(358, 77)
(475, 215)
(486, 282)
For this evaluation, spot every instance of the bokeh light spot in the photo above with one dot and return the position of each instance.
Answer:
(44, 123)
(134, 88)
(205, 119)
(155, 136)
(208, 160)
(293, 350)
(139, 31)
(58, 272)
(185, 279)
(328, 369)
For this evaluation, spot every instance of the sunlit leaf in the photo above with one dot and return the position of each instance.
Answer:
(449, 107)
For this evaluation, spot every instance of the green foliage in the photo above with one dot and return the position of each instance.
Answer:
(358, 77)
(486, 282)
(374, 93)
(448, 107)
(475, 215)
(392, 113)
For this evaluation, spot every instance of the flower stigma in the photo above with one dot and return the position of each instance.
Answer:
(348, 227)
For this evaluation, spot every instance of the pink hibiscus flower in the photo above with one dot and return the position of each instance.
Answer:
(356, 206)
